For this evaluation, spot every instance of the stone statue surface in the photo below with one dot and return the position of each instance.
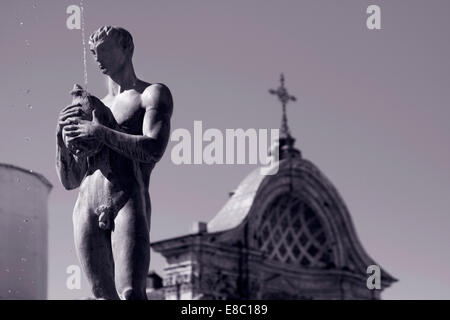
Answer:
(108, 148)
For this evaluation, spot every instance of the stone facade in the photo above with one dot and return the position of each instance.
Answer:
(282, 236)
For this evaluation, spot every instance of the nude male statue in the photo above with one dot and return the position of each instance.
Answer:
(112, 213)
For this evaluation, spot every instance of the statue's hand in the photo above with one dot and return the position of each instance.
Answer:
(67, 116)
(85, 129)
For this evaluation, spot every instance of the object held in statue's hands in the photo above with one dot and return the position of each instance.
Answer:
(88, 147)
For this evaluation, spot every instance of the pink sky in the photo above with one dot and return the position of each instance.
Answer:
(372, 111)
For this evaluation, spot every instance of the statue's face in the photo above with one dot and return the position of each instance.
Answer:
(109, 55)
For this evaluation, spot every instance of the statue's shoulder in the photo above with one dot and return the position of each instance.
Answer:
(157, 95)
(156, 89)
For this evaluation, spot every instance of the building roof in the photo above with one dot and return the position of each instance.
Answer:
(39, 176)
(238, 205)
(256, 190)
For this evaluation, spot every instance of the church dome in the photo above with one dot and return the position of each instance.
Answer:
(295, 217)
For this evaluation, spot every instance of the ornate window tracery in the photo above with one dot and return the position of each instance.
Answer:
(291, 232)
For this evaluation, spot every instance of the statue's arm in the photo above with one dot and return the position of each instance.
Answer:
(70, 169)
(150, 146)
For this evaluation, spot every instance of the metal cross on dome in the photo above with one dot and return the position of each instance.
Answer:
(284, 98)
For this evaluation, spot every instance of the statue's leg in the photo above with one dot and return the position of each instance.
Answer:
(131, 248)
(93, 246)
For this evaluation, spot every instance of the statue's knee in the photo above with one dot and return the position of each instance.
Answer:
(98, 293)
(133, 294)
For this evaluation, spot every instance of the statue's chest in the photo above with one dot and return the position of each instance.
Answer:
(128, 113)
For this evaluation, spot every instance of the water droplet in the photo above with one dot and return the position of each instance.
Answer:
(27, 43)
(31, 170)
(34, 5)
(28, 188)
(33, 282)
(27, 91)
(27, 139)
(20, 278)
(23, 260)
(25, 220)
(29, 106)
(21, 23)
(7, 270)
(9, 291)
(17, 179)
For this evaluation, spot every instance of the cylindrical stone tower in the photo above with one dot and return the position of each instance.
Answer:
(23, 233)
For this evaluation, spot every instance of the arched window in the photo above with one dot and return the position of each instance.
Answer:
(291, 232)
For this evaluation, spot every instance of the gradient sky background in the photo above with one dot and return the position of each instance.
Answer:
(372, 111)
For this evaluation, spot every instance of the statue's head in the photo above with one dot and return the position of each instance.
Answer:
(112, 48)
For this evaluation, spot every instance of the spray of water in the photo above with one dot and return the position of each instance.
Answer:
(83, 40)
